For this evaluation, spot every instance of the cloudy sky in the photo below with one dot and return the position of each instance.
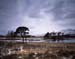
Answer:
(40, 16)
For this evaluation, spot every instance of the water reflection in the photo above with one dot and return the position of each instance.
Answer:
(66, 40)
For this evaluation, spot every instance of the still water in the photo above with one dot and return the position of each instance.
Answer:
(69, 40)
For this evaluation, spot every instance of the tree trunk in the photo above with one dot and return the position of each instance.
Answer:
(22, 38)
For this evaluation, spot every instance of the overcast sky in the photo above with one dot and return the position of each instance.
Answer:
(40, 16)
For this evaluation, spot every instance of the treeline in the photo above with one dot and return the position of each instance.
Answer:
(57, 35)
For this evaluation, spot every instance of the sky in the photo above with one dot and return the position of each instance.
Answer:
(40, 16)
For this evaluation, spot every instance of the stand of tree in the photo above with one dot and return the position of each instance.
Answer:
(57, 36)
(21, 32)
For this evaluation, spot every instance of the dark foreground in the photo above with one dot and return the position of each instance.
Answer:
(37, 50)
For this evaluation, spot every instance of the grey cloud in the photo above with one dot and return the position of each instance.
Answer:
(63, 7)
(37, 14)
